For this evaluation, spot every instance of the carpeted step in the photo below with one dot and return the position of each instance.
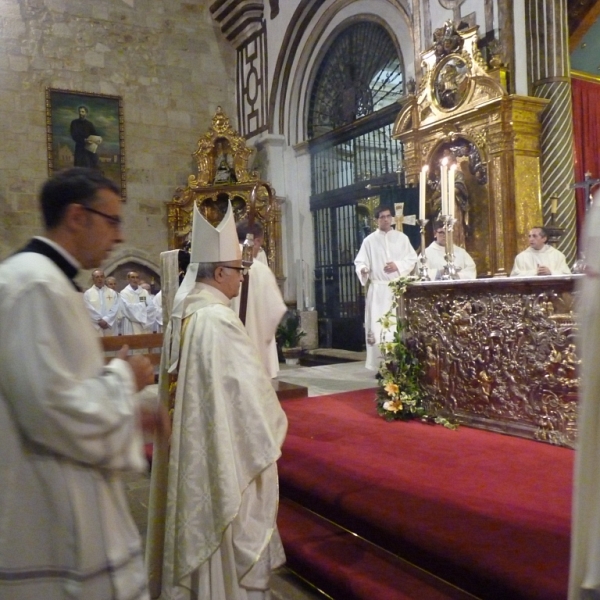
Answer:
(349, 568)
(487, 512)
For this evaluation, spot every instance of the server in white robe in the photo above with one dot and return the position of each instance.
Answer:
(539, 258)
(384, 255)
(265, 306)
(150, 309)
(436, 257)
(134, 306)
(103, 305)
(111, 283)
(69, 425)
(221, 539)
(584, 577)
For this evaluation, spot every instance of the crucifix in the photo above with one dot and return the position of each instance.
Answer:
(587, 184)
(400, 218)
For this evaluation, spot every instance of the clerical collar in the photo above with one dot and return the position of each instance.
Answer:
(67, 255)
(57, 254)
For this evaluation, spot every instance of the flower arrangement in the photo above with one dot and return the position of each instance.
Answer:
(399, 395)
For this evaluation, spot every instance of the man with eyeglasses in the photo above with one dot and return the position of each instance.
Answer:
(384, 255)
(221, 537)
(436, 257)
(69, 424)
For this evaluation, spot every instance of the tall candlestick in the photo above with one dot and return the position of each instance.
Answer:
(451, 190)
(423, 191)
(444, 185)
(554, 207)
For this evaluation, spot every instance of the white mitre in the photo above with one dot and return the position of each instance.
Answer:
(209, 245)
(214, 244)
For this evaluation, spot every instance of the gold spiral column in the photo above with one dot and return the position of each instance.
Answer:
(548, 56)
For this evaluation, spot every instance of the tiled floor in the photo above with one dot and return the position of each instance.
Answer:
(327, 379)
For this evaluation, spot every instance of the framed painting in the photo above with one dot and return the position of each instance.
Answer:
(86, 130)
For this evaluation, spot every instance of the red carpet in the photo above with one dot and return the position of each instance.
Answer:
(486, 512)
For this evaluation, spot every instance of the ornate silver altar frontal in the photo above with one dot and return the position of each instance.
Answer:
(499, 354)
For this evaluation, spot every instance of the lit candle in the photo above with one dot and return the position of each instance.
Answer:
(451, 190)
(444, 185)
(423, 191)
(554, 208)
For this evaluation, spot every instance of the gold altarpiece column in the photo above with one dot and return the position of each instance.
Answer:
(462, 112)
(223, 175)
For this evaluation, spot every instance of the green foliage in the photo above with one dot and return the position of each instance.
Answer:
(289, 334)
(400, 395)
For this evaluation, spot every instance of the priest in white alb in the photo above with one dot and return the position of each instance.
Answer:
(384, 255)
(436, 257)
(265, 306)
(103, 305)
(221, 540)
(540, 258)
(134, 306)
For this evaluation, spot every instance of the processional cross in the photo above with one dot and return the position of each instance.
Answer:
(400, 218)
(587, 184)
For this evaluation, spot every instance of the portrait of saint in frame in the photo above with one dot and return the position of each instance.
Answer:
(86, 130)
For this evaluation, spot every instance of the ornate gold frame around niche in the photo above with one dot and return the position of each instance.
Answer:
(462, 99)
(222, 158)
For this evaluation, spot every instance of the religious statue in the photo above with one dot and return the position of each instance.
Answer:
(224, 172)
(446, 40)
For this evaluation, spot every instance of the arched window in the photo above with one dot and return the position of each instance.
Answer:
(360, 74)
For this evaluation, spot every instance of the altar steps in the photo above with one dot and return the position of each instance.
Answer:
(487, 513)
(347, 567)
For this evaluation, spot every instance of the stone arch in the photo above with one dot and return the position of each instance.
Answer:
(128, 259)
(312, 29)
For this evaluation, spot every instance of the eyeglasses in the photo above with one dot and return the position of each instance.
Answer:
(384, 217)
(112, 219)
(243, 270)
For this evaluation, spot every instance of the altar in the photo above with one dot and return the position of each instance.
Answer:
(499, 353)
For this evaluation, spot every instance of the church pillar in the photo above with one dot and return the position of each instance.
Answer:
(514, 178)
(548, 54)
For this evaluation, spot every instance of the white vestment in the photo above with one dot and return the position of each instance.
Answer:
(264, 311)
(151, 311)
(134, 310)
(585, 535)
(68, 427)
(221, 539)
(159, 312)
(102, 304)
(436, 261)
(377, 249)
(528, 261)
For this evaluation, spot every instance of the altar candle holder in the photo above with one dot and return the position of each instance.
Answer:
(423, 269)
(449, 273)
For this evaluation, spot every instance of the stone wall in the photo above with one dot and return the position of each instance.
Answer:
(165, 58)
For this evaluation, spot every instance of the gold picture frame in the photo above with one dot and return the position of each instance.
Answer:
(86, 129)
